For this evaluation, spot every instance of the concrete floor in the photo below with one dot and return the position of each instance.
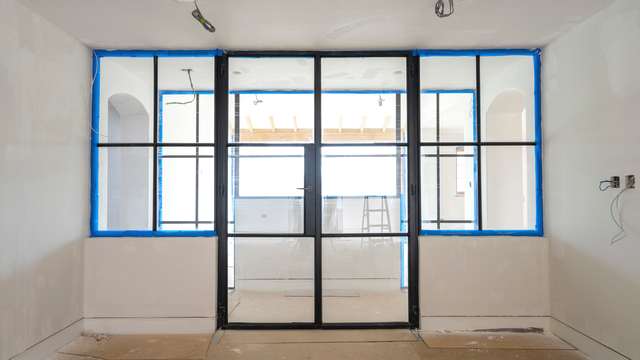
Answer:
(321, 344)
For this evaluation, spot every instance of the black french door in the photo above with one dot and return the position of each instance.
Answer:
(298, 248)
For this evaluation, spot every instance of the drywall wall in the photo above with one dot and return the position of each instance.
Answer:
(591, 87)
(44, 177)
(492, 277)
(129, 279)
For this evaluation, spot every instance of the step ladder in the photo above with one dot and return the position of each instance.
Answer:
(371, 213)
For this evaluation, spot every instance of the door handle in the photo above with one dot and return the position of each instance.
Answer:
(306, 188)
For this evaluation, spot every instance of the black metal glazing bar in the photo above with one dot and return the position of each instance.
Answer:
(186, 156)
(221, 134)
(363, 235)
(309, 186)
(197, 157)
(413, 137)
(446, 155)
(479, 144)
(317, 188)
(178, 222)
(154, 144)
(441, 221)
(154, 223)
(438, 159)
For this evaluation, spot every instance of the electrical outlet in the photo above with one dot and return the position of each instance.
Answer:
(615, 182)
(630, 182)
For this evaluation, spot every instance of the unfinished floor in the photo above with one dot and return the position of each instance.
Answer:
(321, 344)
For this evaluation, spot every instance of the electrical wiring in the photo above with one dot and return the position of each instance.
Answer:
(616, 210)
(440, 9)
(607, 182)
(193, 91)
(197, 14)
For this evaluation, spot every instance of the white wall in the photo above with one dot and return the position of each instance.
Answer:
(591, 87)
(147, 284)
(44, 177)
(483, 277)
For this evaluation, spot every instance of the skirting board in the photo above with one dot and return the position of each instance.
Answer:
(591, 347)
(126, 326)
(465, 323)
(45, 348)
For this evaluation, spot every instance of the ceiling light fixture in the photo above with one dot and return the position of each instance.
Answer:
(440, 12)
(197, 14)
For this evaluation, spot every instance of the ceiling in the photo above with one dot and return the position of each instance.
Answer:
(318, 24)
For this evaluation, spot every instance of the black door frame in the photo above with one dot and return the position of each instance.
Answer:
(313, 178)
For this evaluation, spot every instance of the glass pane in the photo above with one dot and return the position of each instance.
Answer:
(180, 205)
(266, 189)
(206, 193)
(448, 188)
(364, 100)
(206, 115)
(364, 189)
(186, 88)
(125, 186)
(447, 73)
(271, 100)
(362, 280)
(126, 100)
(448, 116)
(508, 188)
(273, 280)
(507, 98)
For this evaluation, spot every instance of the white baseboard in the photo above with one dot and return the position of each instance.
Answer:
(463, 323)
(591, 347)
(47, 347)
(191, 325)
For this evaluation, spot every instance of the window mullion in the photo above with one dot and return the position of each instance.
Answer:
(154, 226)
(478, 140)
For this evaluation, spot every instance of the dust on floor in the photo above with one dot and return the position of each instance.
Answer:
(321, 344)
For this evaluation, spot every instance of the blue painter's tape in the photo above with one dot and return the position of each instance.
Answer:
(95, 126)
(149, 233)
(160, 136)
(532, 233)
(538, 149)
(484, 52)
(158, 53)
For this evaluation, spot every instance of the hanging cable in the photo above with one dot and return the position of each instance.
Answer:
(615, 211)
(440, 9)
(193, 91)
(197, 14)
(257, 101)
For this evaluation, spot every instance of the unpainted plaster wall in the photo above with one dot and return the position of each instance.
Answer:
(44, 177)
(591, 87)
